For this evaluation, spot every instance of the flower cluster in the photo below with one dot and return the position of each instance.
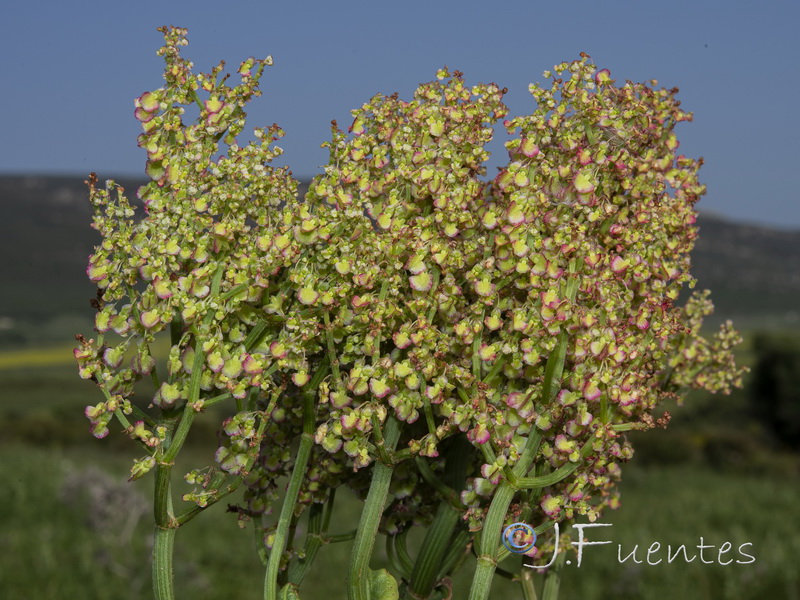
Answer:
(209, 252)
(512, 330)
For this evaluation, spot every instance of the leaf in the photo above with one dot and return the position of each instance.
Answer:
(382, 586)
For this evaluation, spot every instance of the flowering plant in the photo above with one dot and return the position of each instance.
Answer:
(463, 353)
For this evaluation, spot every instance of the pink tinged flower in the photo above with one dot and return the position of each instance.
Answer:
(422, 282)
(597, 346)
(619, 264)
(584, 156)
(113, 356)
(99, 430)
(232, 368)
(562, 444)
(566, 398)
(672, 142)
(216, 362)
(515, 215)
(415, 264)
(582, 183)
(97, 272)
(487, 353)
(348, 420)
(214, 105)
(360, 301)
(553, 270)
(149, 319)
(331, 444)
(551, 506)
(300, 378)
(251, 366)
(278, 350)
(515, 399)
(401, 339)
(521, 179)
(479, 434)
(102, 321)
(592, 259)
(342, 267)
(528, 147)
(492, 322)
(436, 126)
(148, 102)
(93, 412)
(307, 296)
(378, 388)
(590, 390)
(492, 473)
(484, 288)
(362, 279)
(142, 115)
(168, 394)
(120, 324)
(550, 299)
(642, 323)
(162, 289)
(602, 77)
(543, 422)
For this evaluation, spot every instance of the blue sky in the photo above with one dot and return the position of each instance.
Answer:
(70, 72)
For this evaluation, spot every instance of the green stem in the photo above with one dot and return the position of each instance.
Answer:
(552, 580)
(358, 574)
(456, 553)
(526, 582)
(439, 534)
(290, 501)
(165, 528)
(490, 540)
(163, 545)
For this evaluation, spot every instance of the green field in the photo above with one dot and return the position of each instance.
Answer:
(72, 527)
(60, 544)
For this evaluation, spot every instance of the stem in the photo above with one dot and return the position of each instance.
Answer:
(490, 540)
(439, 534)
(526, 581)
(553, 579)
(164, 535)
(358, 574)
(164, 542)
(290, 501)
(456, 553)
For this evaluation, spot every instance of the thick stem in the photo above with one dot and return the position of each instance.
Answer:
(490, 540)
(164, 536)
(526, 582)
(358, 574)
(439, 535)
(289, 502)
(552, 580)
(164, 542)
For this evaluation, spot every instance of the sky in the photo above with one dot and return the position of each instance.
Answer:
(70, 72)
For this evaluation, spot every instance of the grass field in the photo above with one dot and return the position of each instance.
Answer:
(60, 543)
(71, 527)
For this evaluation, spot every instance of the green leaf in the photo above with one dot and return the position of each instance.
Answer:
(382, 586)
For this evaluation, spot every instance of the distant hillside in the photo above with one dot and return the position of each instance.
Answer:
(753, 272)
